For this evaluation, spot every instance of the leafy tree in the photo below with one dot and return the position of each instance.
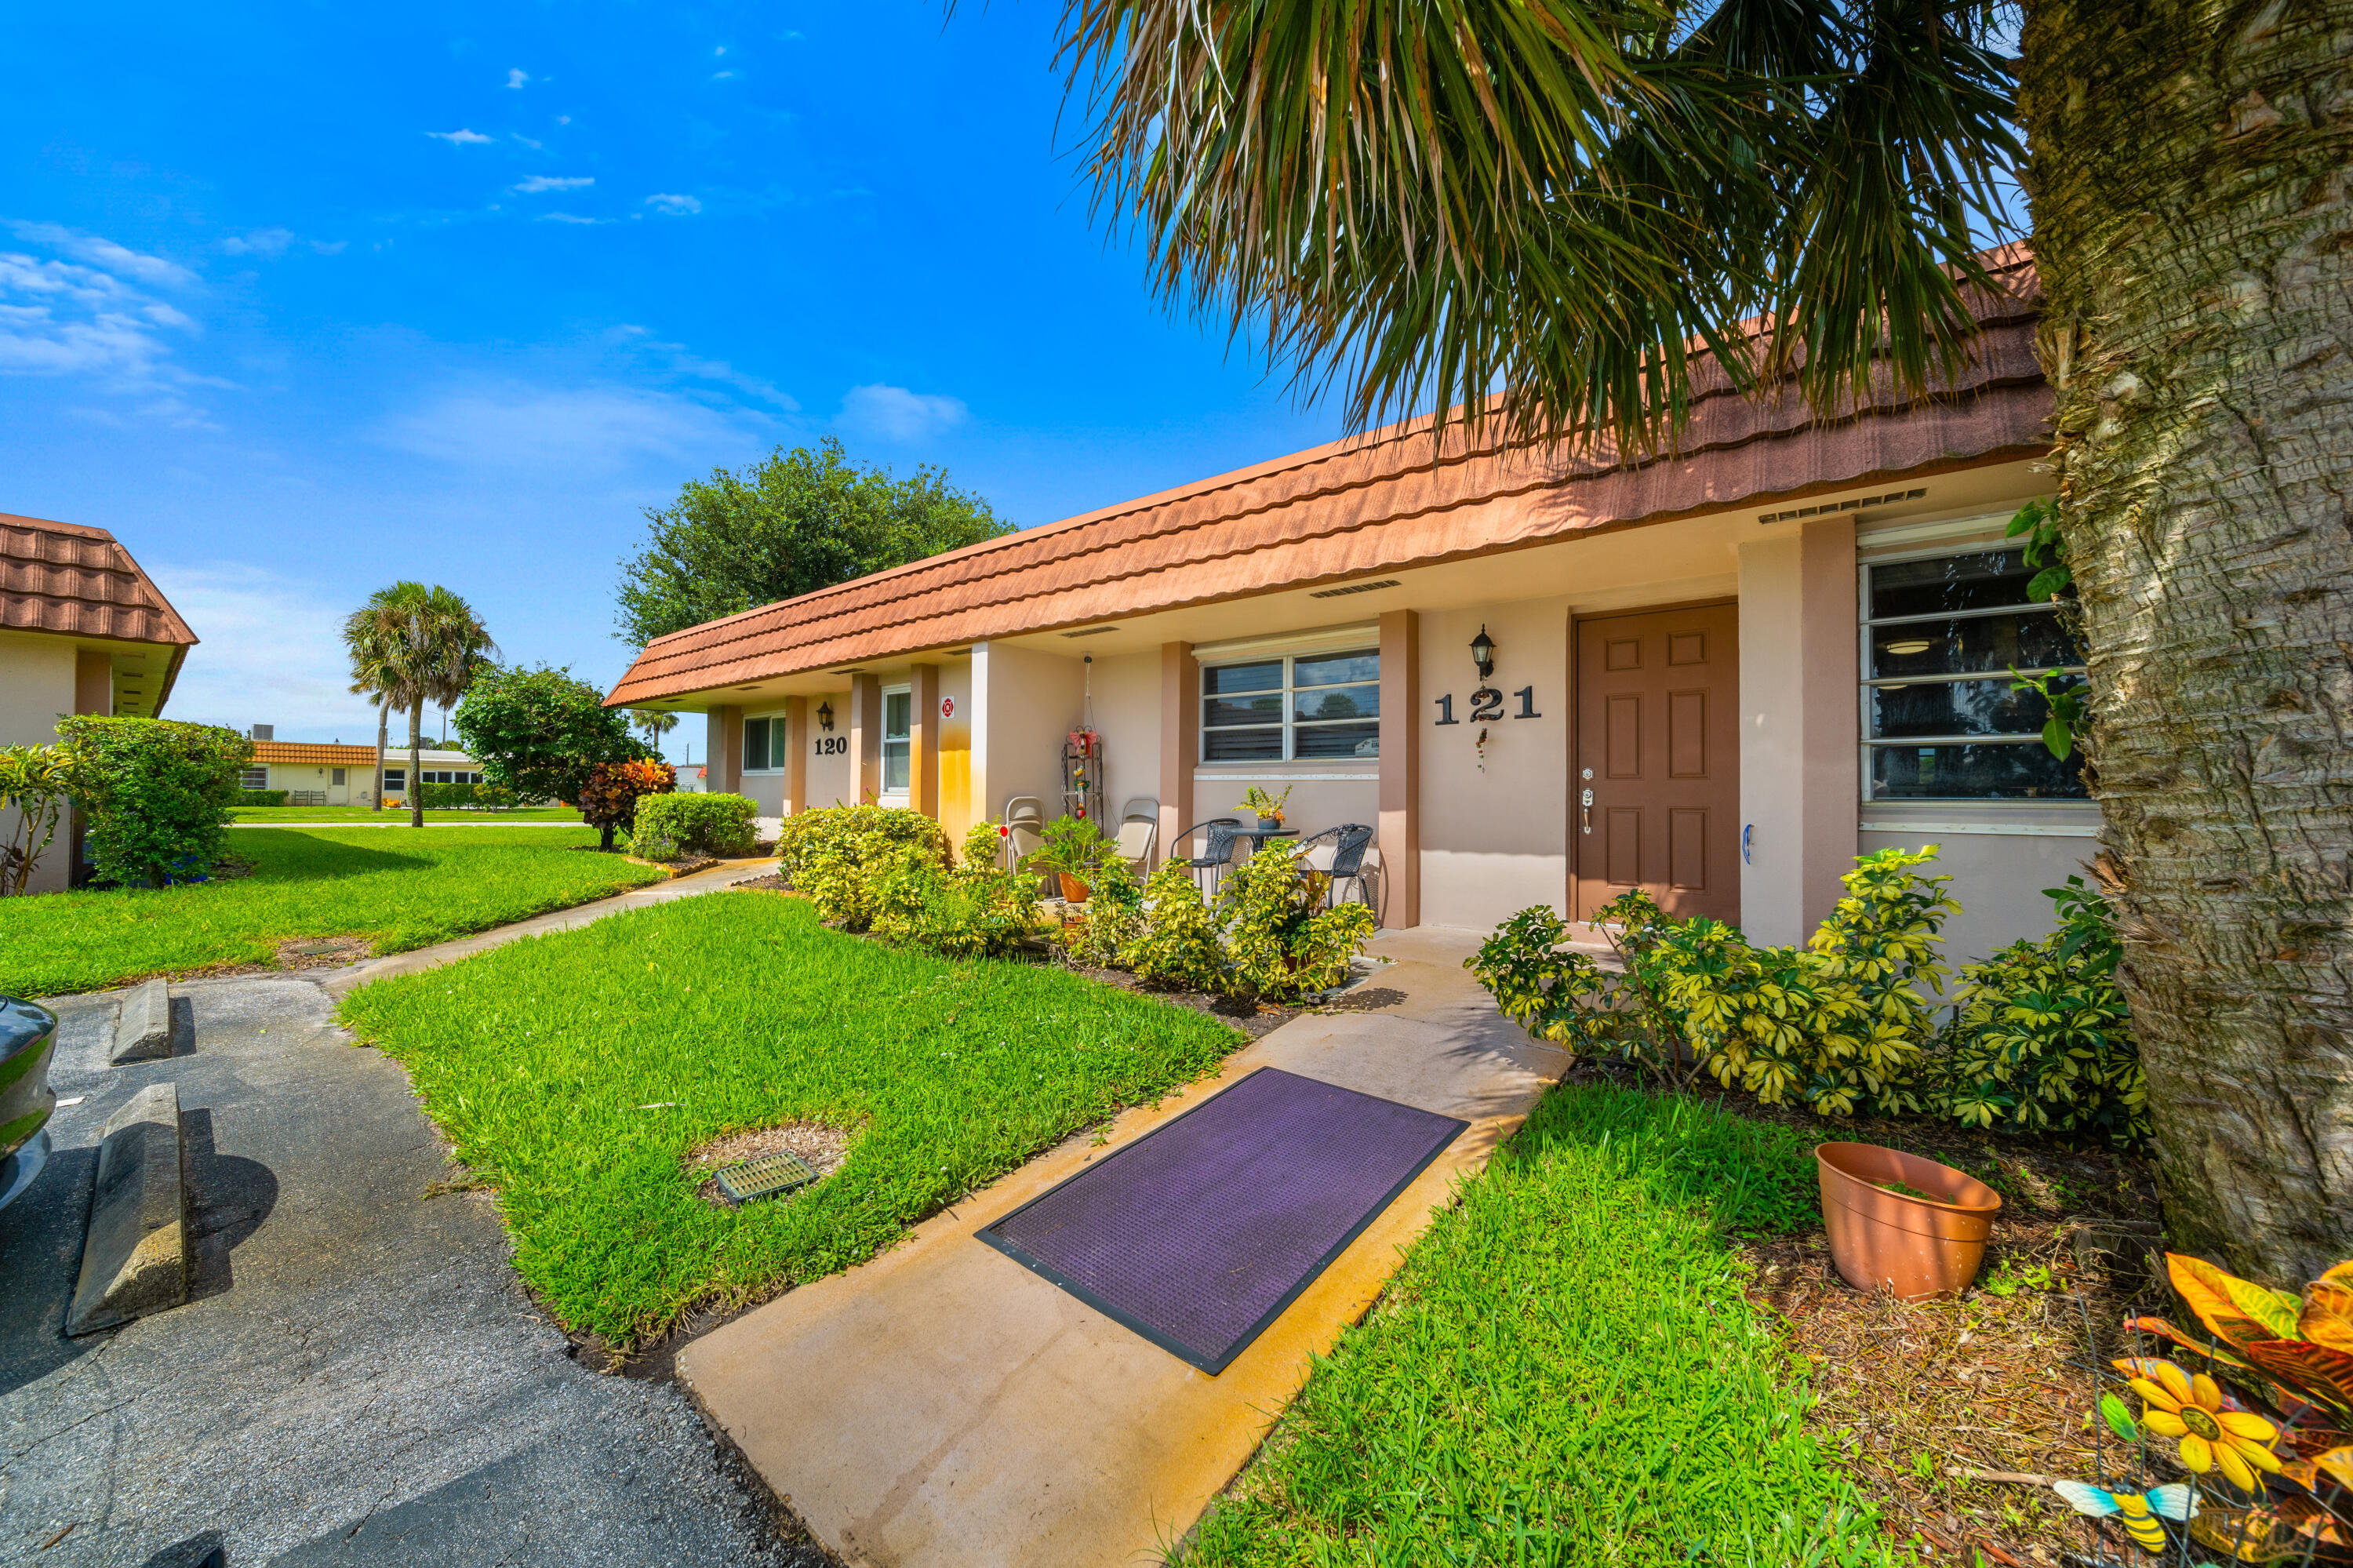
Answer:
(1559, 213)
(795, 521)
(542, 734)
(410, 645)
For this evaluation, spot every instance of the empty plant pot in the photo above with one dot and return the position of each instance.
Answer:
(1912, 1247)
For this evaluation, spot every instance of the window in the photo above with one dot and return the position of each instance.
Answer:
(1940, 723)
(898, 744)
(395, 780)
(434, 776)
(1293, 709)
(764, 744)
(335, 777)
(254, 778)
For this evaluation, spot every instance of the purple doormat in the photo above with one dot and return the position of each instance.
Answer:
(1198, 1234)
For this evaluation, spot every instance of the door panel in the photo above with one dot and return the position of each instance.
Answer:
(1657, 740)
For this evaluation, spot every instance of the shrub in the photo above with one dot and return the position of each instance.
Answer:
(261, 797)
(1277, 946)
(1069, 846)
(540, 733)
(609, 799)
(157, 791)
(1179, 948)
(35, 782)
(2040, 1036)
(1836, 1024)
(1105, 935)
(445, 797)
(839, 855)
(975, 910)
(706, 824)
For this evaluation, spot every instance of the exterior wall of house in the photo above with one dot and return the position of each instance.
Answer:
(1024, 704)
(1494, 830)
(958, 809)
(1128, 716)
(37, 687)
(830, 780)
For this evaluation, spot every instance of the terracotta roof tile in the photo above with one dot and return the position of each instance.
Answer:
(320, 755)
(79, 582)
(1373, 503)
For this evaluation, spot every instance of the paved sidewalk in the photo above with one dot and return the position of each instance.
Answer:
(943, 1405)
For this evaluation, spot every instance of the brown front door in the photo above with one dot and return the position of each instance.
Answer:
(1658, 745)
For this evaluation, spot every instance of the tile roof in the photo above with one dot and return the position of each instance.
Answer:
(304, 751)
(1373, 503)
(79, 582)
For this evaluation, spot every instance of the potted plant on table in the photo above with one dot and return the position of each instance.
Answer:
(1068, 849)
(1268, 807)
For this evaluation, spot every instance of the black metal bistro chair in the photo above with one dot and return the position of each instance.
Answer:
(1208, 866)
(1349, 841)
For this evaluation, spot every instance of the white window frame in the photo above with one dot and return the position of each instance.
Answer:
(1866, 682)
(1287, 692)
(395, 780)
(901, 796)
(775, 718)
(245, 778)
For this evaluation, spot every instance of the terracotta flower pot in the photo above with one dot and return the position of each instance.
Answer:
(1913, 1249)
(1074, 889)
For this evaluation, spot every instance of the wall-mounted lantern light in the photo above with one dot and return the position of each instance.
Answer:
(1482, 652)
(824, 715)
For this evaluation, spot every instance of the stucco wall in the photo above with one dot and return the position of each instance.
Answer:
(956, 813)
(828, 778)
(1024, 704)
(1128, 714)
(1494, 841)
(1997, 877)
(36, 688)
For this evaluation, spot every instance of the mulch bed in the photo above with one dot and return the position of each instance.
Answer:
(1924, 1402)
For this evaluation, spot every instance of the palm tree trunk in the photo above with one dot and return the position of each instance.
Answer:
(2192, 183)
(416, 763)
(382, 714)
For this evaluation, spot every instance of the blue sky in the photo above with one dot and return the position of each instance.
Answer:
(301, 300)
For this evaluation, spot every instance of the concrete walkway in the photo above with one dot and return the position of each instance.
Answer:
(943, 1405)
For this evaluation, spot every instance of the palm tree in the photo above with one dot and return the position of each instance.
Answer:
(653, 724)
(411, 645)
(1556, 213)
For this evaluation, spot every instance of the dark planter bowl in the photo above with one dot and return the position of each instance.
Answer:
(27, 1036)
(1914, 1248)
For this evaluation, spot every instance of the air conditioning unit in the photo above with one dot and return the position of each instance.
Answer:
(264, 732)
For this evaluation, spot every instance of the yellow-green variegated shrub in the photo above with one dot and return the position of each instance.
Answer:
(840, 856)
(1180, 947)
(1279, 945)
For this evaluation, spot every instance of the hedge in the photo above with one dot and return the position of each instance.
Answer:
(693, 822)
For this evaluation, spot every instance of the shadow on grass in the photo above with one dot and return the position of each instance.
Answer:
(1751, 1177)
(282, 854)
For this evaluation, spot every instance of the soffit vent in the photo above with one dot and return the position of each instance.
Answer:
(1831, 509)
(1092, 632)
(1354, 587)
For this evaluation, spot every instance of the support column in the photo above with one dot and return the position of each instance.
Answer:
(865, 739)
(924, 740)
(1833, 746)
(725, 747)
(796, 747)
(1180, 740)
(1401, 811)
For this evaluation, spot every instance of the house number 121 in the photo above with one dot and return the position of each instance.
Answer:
(1488, 703)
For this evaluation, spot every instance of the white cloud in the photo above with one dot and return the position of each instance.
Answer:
(460, 138)
(538, 182)
(271, 652)
(60, 318)
(517, 77)
(104, 253)
(565, 433)
(260, 242)
(896, 414)
(329, 246)
(569, 217)
(670, 202)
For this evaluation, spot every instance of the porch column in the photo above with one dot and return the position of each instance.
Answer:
(865, 739)
(796, 745)
(1833, 778)
(924, 740)
(1180, 740)
(725, 745)
(1401, 811)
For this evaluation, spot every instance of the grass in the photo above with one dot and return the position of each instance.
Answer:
(1565, 1371)
(403, 891)
(576, 1071)
(399, 814)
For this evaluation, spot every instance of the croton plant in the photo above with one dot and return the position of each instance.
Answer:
(2264, 1427)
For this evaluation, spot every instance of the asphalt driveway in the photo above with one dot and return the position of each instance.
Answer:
(359, 1377)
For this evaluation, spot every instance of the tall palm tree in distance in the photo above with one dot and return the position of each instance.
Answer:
(653, 724)
(411, 645)
(1547, 219)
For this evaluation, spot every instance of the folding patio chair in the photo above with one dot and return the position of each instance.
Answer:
(1024, 827)
(1139, 827)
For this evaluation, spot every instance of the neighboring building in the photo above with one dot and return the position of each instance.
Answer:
(338, 775)
(1719, 674)
(82, 630)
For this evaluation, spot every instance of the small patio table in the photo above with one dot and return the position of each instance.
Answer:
(1258, 836)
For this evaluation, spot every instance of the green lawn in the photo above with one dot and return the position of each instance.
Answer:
(576, 1071)
(405, 890)
(399, 814)
(1565, 1371)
